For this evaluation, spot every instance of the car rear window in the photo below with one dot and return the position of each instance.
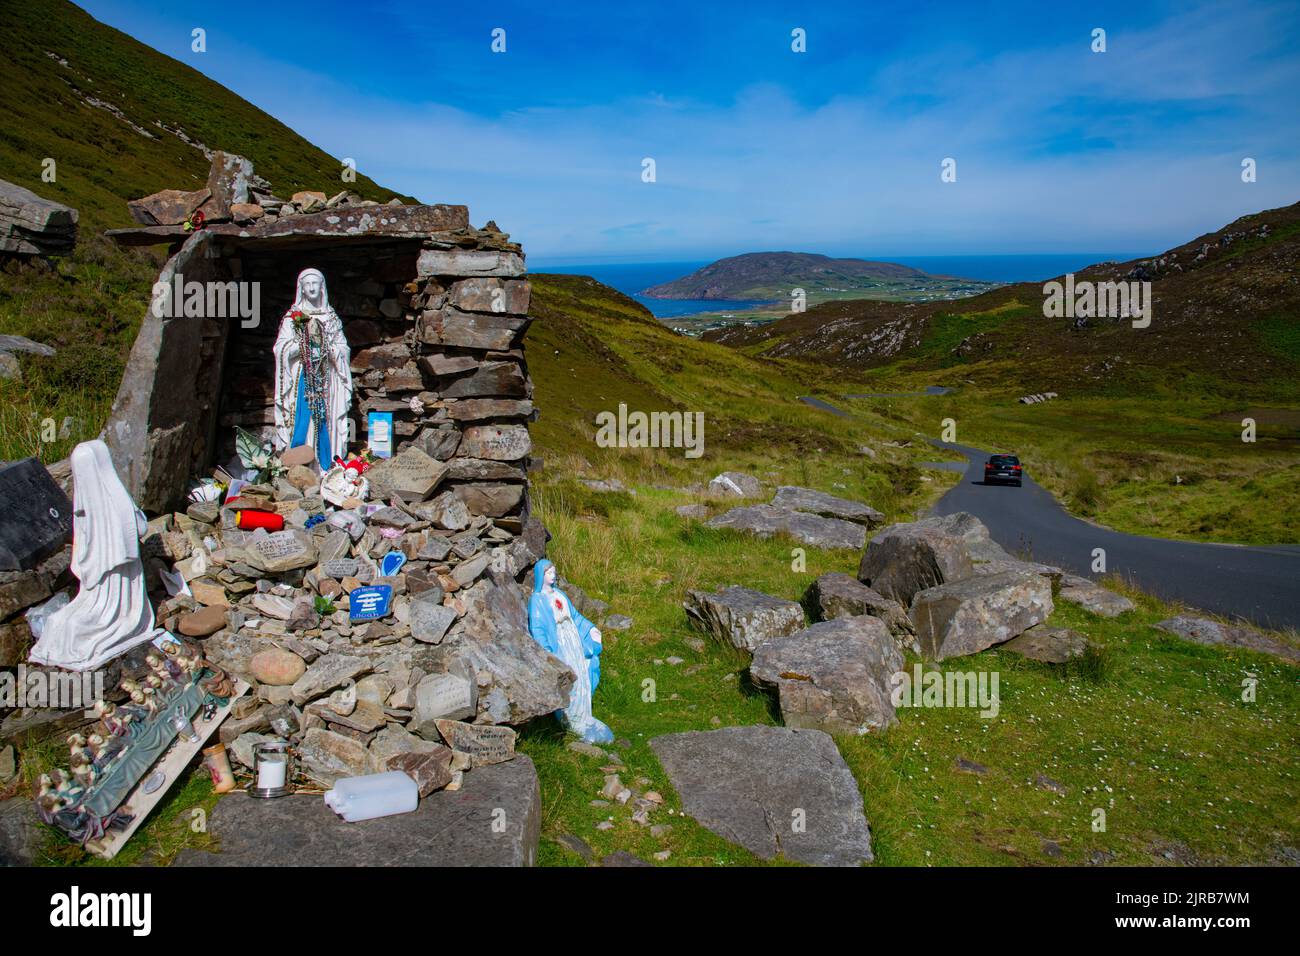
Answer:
(1005, 460)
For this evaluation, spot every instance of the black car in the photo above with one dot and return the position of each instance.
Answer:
(1002, 469)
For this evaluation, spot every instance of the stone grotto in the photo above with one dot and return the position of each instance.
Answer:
(254, 563)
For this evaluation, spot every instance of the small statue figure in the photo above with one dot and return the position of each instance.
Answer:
(111, 613)
(118, 724)
(556, 625)
(218, 683)
(313, 375)
(167, 679)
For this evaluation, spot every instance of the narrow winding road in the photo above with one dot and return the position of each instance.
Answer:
(1258, 583)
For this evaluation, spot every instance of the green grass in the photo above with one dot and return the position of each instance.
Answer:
(1148, 728)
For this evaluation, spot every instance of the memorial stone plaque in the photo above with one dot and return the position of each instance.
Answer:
(37, 516)
(485, 743)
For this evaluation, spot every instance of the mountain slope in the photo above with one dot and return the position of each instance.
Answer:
(1225, 309)
(772, 275)
(120, 120)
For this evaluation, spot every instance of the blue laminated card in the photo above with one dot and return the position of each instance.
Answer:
(379, 430)
(370, 603)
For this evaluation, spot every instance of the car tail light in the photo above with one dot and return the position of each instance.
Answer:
(1015, 467)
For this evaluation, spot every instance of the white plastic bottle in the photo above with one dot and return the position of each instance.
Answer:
(374, 795)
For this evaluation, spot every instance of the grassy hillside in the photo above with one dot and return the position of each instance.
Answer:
(1146, 435)
(91, 98)
(1226, 307)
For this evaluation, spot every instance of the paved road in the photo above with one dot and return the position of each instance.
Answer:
(1261, 584)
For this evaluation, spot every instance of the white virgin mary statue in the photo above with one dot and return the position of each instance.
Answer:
(111, 613)
(313, 378)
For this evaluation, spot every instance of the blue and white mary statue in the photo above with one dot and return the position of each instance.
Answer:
(560, 629)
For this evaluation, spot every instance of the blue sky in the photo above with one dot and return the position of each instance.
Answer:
(835, 150)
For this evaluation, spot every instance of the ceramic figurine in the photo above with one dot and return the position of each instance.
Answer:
(559, 628)
(114, 722)
(313, 376)
(111, 613)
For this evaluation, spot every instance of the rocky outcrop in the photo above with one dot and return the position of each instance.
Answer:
(832, 676)
(968, 615)
(743, 617)
(812, 530)
(33, 226)
(776, 791)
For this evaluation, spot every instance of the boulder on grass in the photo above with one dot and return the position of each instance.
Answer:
(972, 614)
(735, 484)
(904, 559)
(1201, 630)
(833, 676)
(828, 506)
(812, 530)
(835, 595)
(1092, 597)
(743, 617)
(1050, 645)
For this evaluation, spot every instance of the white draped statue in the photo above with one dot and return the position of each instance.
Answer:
(313, 377)
(111, 613)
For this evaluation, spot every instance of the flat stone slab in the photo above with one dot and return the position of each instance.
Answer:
(773, 790)
(1050, 645)
(812, 530)
(1201, 630)
(828, 506)
(1094, 598)
(447, 829)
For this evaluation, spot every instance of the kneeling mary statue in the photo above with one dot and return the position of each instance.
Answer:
(560, 629)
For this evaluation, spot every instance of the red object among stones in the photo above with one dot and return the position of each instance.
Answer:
(250, 520)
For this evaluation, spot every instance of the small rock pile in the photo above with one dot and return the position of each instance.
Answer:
(235, 193)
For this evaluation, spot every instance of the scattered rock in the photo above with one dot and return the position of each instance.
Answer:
(970, 766)
(1200, 630)
(906, 558)
(833, 676)
(812, 530)
(743, 617)
(795, 498)
(1093, 598)
(967, 616)
(835, 595)
(735, 484)
(1051, 645)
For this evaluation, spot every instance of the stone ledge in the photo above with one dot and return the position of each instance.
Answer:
(447, 829)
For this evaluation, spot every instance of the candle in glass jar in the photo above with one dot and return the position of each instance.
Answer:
(270, 772)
